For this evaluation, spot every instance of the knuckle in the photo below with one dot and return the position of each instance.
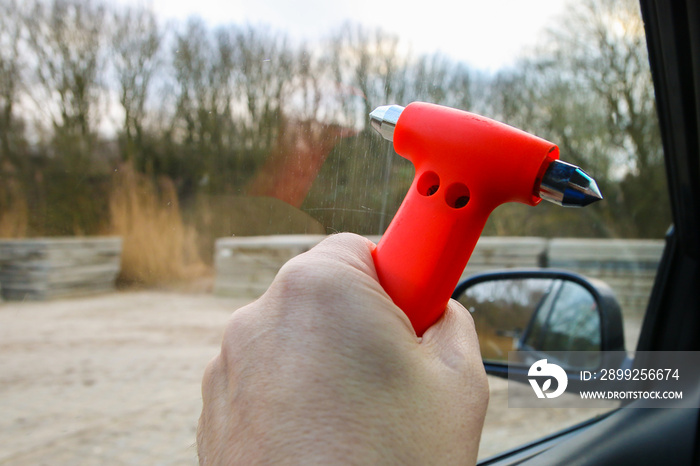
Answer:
(462, 313)
(335, 260)
(304, 274)
(212, 373)
(239, 326)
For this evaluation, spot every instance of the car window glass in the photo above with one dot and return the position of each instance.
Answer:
(188, 152)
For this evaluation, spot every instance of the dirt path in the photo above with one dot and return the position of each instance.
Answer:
(115, 380)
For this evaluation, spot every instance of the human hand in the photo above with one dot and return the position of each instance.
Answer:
(324, 368)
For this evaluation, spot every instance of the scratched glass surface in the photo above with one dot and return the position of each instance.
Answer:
(185, 150)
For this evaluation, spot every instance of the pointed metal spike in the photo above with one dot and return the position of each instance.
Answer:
(567, 185)
(594, 190)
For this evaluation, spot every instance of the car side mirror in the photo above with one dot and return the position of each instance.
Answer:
(546, 313)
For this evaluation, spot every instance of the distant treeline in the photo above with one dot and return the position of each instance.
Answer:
(86, 86)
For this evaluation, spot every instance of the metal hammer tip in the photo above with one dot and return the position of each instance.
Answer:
(569, 186)
(383, 119)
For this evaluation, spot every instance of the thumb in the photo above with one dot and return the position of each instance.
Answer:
(453, 338)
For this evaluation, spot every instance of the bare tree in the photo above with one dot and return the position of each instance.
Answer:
(371, 62)
(588, 89)
(66, 38)
(224, 93)
(265, 78)
(602, 43)
(312, 85)
(136, 42)
(13, 166)
(204, 62)
(309, 128)
(438, 79)
(11, 77)
(602, 46)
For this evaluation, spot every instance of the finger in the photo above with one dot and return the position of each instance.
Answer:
(340, 263)
(336, 276)
(356, 252)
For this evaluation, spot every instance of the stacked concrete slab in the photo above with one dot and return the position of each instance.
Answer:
(246, 266)
(493, 253)
(48, 268)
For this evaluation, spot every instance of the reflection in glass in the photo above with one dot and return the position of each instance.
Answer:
(535, 314)
(569, 322)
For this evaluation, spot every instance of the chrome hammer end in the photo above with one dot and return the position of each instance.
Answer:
(383, 119)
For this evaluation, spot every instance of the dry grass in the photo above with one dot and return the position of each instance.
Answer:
(157, 246)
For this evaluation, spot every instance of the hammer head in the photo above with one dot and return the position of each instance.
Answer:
(464, 154)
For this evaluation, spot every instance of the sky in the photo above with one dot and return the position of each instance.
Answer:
(486, 34)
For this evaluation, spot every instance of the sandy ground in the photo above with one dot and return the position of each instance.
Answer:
(115, 380)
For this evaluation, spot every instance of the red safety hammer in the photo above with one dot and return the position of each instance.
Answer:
(466, 165)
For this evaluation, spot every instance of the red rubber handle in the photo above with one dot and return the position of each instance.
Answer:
(466, 166)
